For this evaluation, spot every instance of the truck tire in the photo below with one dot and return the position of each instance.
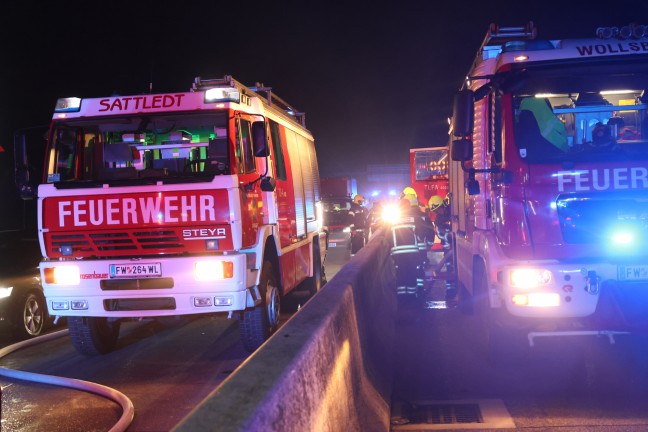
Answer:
(259, 323)
(33, 316)
(93, 336)
(314, 283)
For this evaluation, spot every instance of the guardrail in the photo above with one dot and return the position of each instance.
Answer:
(329, 368)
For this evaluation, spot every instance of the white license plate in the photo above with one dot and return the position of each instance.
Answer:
(633, 273)
(135, 270)
(332, 244)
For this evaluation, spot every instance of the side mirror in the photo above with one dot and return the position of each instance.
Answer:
(259, 139)
(463, 113)
(461, 150)
(26, 186)
(268, 184)
(472, 186)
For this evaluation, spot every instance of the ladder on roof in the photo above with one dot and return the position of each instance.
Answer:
(497, 36)
(500, 35)
(200, 84)
(272, 99)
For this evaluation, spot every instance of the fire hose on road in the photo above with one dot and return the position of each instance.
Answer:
(128, 410)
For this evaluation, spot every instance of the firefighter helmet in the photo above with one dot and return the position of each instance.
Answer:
(435, 202)
(358, 199)
(409, 191)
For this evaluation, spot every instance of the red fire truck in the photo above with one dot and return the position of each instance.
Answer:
(549, 184)
(429, 177)
(173, 204)
(429, 172)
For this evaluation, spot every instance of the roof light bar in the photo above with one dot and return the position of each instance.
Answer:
(213, 95)
(632, 31)
(71, 104)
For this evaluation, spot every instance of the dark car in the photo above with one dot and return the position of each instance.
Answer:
(336, 212)
(337, 220)
(23, 311)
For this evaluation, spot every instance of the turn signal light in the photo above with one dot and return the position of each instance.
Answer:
(213, 270)
(62, 275)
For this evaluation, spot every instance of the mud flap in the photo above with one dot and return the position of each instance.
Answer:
(252, 297)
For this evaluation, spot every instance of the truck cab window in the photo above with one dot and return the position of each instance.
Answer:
(135, 148)
(275, 136)
(244, 152)
(63, 160)
(496, 107)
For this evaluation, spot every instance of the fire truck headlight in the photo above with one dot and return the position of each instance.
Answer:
(213, 270)
(536, 300)
(63, 275)
(526, 278)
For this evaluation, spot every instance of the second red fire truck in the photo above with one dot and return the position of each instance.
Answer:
(181, 203)
(549, 184)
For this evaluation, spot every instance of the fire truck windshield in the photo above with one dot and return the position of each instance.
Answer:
(559, 118)
(138, 148)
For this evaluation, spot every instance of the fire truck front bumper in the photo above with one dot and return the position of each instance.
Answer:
(147, 287)
(559, 290)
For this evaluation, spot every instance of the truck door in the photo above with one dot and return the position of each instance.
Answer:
(284, 189)
(251, 216)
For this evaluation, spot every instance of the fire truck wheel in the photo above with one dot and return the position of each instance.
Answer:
(93, 336)
(259, 323)
(314, 283)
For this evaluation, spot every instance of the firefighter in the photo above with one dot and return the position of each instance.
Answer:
(359, 215)
(411, 206)
(358, 212)
(409, 252)
(440, 208)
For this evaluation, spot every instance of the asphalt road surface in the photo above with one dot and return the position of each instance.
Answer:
(566, 384)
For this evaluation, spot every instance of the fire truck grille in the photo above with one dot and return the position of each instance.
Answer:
(136, 284)
(139, 304)
(591, 218)
(157, 239)
(118, 243)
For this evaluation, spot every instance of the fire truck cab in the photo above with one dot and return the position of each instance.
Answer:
(175, 204)
(549, 183)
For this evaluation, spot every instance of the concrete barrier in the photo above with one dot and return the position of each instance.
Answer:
(329, 368)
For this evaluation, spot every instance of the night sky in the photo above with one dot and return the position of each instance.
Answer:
(373, 80)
